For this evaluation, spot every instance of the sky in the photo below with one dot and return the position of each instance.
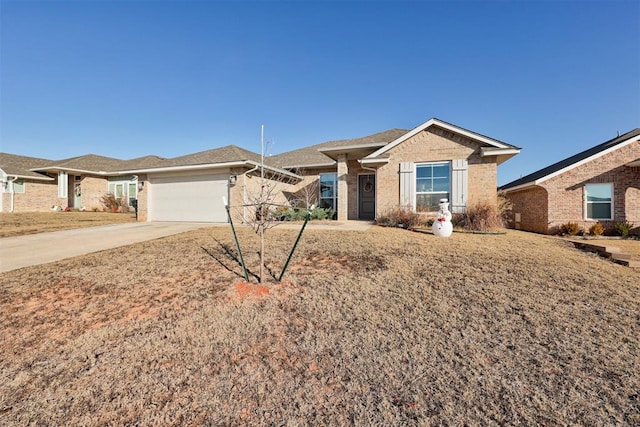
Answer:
(126, 79)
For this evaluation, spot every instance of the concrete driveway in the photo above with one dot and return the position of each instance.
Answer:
(33, 249)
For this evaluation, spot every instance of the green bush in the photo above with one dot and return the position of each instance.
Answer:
(298, 214)
(570, 229)
(596, 229)
(401, 217)
(623, 228)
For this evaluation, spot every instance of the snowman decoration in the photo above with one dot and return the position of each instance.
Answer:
(442, 226)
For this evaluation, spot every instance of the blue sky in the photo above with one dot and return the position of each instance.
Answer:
(130, 78)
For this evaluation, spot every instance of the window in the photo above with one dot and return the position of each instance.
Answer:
(124, 188)
(599, 201)
(18, 186)
(63, 184)
(433, 182)
(329, 191)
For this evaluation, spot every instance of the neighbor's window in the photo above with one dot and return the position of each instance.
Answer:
(124, 187)
(329, 191)
(18, 186)
(599, 201)
(433, 182)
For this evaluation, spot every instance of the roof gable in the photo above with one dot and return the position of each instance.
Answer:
(482, 139)
(312, 156)
(569, 163)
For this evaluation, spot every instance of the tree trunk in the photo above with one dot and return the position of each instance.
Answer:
(261, 253)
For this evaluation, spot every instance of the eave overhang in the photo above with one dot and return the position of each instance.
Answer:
(501, 154)
(205, 166)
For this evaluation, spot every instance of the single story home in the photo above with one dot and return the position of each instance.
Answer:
(358, 178)
(599, 184)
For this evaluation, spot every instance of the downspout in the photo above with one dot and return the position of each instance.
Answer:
(14, 179)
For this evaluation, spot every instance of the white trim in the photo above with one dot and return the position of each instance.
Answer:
(317, 165)
(352, 147)
(205, 166)
(63, 184)
(585, 203)
(520, 187)
(588, 159)
(373, 161)
(489, 151)
(35, 178)
(443, 125)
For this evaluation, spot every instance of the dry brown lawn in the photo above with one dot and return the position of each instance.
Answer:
(16, 224)
(384, 327)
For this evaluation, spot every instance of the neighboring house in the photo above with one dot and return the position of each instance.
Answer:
(598, 184)
(365, 177)
(22, 189)
(33, 184)
(358, 178)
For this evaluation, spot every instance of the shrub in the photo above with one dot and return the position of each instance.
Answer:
(298, 214)
(596, 229)
(403, 217)
(482, 217)
(570, 229)
(110, 202)
(623, 228)
(504, 207)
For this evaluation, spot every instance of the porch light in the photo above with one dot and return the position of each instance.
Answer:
(140, 185)
(233, 179)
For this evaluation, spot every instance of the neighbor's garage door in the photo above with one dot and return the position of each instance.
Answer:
(188, 198)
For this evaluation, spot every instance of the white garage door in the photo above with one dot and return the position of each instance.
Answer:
(188, 198)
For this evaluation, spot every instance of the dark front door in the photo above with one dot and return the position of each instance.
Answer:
(366, 197)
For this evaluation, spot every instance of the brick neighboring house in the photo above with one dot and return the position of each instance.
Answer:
(358, 178)
(36, 185)
(364, 177)
(598, 184)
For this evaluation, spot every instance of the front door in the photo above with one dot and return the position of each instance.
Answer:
(367, 197)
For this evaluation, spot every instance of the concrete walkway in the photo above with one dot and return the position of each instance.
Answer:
(33, 249)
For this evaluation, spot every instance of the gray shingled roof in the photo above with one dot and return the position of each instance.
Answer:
(15, 165)
(308, 156)
(88, 162)
(539, 174)
(229, 153)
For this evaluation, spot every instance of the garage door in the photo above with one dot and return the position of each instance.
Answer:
(188, 198)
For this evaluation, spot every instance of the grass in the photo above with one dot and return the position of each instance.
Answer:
(383, 327)
(17, 224)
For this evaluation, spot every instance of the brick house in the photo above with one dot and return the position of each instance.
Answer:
(35, 185)
(364, 177)
(598, 184)
(357, 178)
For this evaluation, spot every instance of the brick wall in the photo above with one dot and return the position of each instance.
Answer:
(38, 196)
(93, 188)
(530, 207)
(143, 201)
(432, 145)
